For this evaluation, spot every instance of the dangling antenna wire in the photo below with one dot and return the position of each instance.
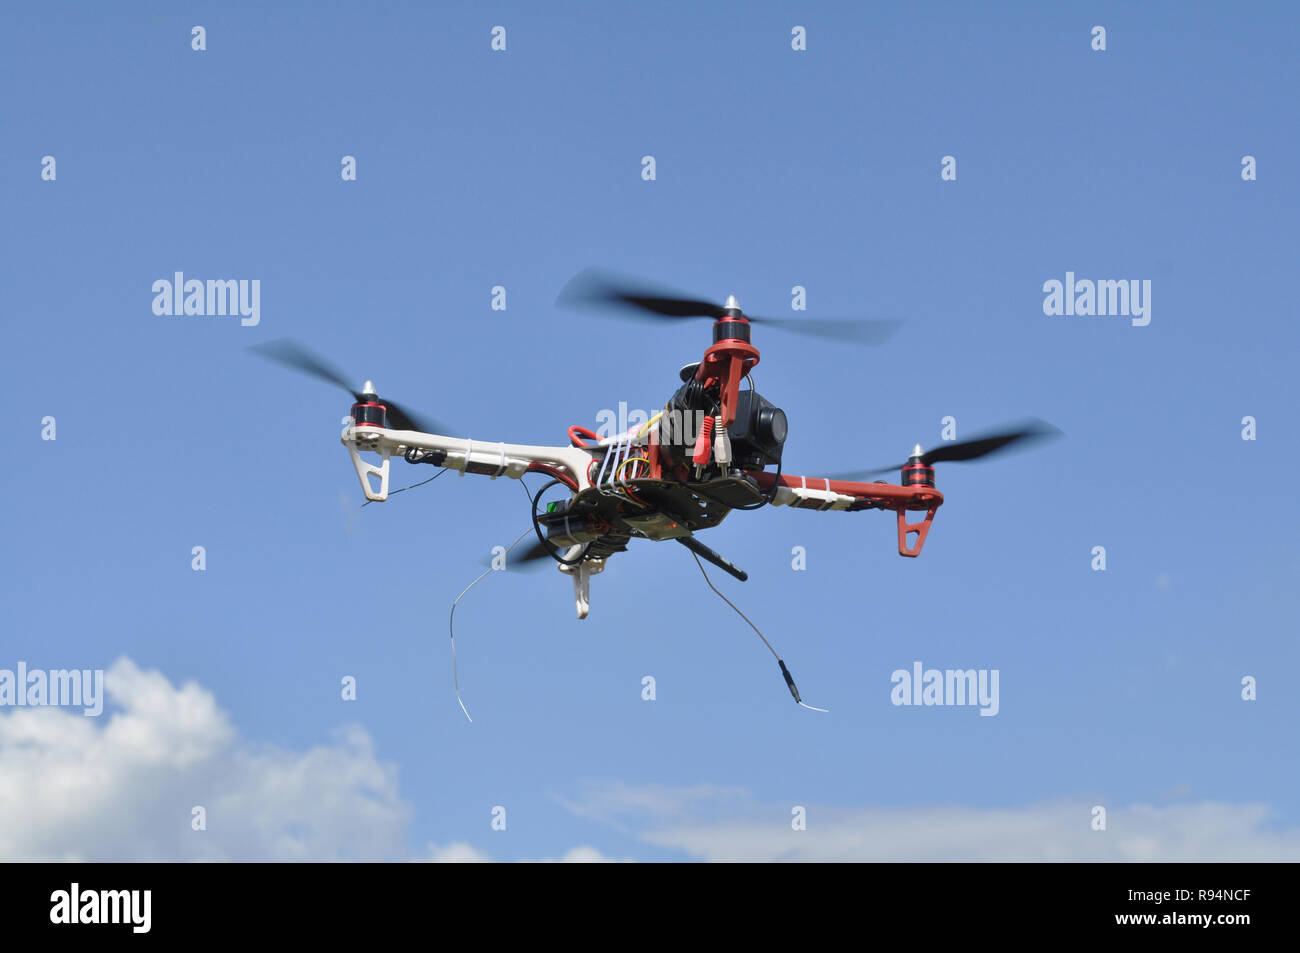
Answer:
(785, 672)
(451, 622)
(394, 493)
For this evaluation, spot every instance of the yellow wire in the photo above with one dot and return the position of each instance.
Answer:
(626, 462)
(648, 424)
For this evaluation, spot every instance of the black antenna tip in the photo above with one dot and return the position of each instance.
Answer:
(789, 681)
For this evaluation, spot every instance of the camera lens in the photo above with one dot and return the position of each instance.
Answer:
(772, 425)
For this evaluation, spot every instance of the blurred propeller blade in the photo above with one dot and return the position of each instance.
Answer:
(292, 354)
(990, 444)
(595, 288)
(400, 419)
(860, 331)
(525, 557)
(535, 553)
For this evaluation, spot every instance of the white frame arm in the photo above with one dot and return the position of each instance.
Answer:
(509, 459)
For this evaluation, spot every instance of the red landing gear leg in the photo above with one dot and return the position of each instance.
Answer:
(906, 529)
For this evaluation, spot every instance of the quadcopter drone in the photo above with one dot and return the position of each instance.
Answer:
(714, 448)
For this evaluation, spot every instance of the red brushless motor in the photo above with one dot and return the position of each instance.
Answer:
(916, 472)
(368, 411)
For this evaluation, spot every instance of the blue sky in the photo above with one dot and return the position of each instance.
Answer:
(775, 168)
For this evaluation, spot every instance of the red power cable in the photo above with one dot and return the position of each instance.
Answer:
(577, 432)
(558, 474)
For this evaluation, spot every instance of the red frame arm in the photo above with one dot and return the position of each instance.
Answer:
(887, 496)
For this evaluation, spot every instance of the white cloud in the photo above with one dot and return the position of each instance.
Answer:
(459, 853)
(614, 802)
(462, 853)
(581, 855)
(121, 787)
(740, 830)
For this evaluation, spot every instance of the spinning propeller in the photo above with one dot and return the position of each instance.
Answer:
(536, 553)
(533, 556)
(993, 443)
(596, 288)
(292, 354)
